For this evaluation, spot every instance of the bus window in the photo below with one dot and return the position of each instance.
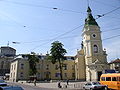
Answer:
(114, 79)
(118, 78)
(103, 78)
(108, 78)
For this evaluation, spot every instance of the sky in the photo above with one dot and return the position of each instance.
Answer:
(35, 24)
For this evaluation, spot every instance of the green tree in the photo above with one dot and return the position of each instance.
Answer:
(57, 53)
(33, 59)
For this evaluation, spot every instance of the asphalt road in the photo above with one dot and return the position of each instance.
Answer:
(28, 87)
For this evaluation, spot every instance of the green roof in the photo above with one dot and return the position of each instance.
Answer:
(90, 20)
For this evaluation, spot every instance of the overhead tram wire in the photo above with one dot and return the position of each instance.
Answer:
(111, 37)
(38, 5)
(99, 16)
(113, 29)
(14, 42)
(72, 30)
(13, 20)
(57, 37)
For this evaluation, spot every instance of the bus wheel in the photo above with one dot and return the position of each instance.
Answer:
(105, 88)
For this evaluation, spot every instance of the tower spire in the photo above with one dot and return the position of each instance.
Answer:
(90, 19)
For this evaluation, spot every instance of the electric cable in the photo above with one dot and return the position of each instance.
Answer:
(38, 5)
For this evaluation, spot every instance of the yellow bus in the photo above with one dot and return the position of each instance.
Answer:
(111, 80)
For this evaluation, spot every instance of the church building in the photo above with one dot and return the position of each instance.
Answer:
(91, 60)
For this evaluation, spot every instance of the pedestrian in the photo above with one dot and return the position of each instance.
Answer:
(34, 82)
(59, 84)
(67, 81)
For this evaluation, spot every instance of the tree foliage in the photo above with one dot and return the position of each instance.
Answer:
(33, 59)
(57, 53)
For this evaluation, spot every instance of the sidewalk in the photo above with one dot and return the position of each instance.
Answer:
(54, 85)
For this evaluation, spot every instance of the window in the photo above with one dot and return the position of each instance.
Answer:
(95, 49)
(11, 74)
(22, 66)
(118, 78)
(103, 78)
(2, 64)
(108, 78)
(65, 66)
(114, 79)
(73, 75)
(73, 67)
(14, 66)
(89, 84)
(57, 74)
(56, 67)
(93, 35)
(65, 74)
(21, 74)
(47, 67)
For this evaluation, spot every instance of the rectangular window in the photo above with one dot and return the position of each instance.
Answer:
(56, 67)
(65, 74)
(108, 78)
(73, 67)
(103, 78)
(21, 74)
(47, 67)
(22, 66)
(118, 78)
(114, 78)
(65, 66)
(73, 75)
(14, 66)
(57, 74)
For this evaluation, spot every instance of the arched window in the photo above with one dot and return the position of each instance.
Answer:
(95, 48)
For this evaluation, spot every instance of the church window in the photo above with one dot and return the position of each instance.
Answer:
(95, 48)
(93, 35)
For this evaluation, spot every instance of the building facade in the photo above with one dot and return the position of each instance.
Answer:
(115, 65)
(45, 69)
(92, 57)
(7, 54)
(88, 65)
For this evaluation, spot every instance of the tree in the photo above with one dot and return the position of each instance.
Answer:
(33, 59)
(57, 53)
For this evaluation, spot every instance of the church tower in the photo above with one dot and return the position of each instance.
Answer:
(95, 57)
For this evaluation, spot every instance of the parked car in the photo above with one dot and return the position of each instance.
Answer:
(94, 86)
(11, 88)
(2, 83)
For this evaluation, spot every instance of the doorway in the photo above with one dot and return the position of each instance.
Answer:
(99, 74)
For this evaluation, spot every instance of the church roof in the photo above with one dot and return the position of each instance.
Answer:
(115, 61)
(90, 19)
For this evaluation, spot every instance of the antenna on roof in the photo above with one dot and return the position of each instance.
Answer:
(8, 44)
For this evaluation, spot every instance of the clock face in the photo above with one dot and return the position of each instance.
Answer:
(94, 35)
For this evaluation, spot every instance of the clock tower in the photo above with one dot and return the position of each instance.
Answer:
(95, 56)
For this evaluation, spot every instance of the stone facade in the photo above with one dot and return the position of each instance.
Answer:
(115, 65)
(92, 59)
(45, 69)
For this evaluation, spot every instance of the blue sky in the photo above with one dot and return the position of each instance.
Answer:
(43, 23)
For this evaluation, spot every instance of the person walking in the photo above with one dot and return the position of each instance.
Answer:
(34, 82)
(59, 85)
(67, 81)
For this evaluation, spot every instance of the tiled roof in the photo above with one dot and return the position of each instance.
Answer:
(115, 61)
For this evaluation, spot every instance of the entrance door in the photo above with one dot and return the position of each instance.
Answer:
(99, 74)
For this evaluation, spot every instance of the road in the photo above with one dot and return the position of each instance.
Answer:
(28, 87)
